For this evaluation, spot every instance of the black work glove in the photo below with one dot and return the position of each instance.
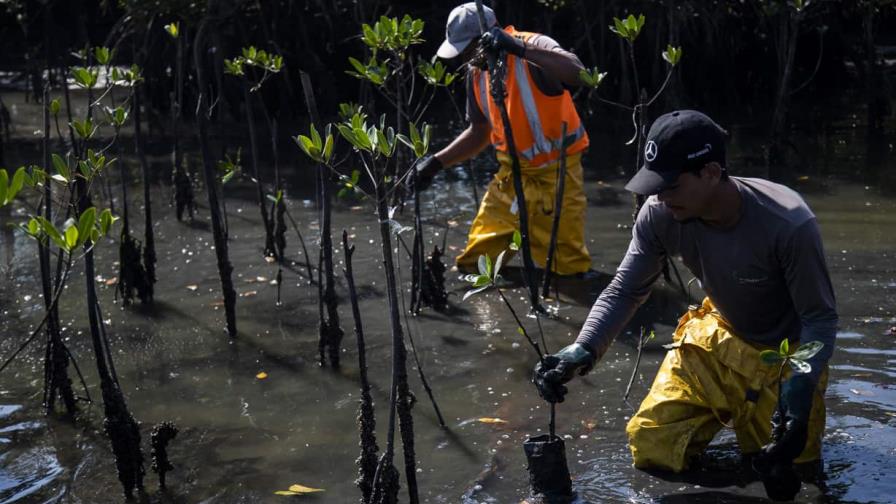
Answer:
(554, 370)
(497, 39)
(790, 432)
(427, 169)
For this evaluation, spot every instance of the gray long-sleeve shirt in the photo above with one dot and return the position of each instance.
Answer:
(766, 274)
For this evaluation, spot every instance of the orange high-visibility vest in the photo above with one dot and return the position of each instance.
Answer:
(536, 118)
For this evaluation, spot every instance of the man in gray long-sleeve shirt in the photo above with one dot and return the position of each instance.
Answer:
(755, 247)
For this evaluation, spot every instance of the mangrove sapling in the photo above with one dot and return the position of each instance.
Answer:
(375, 146)
(321, 152)
(255, 59)
(548, 471)
(120, 425)
(149, 241)
(781, 481)
(392, 69)
(161, 435)
(56, 360)
(180, 177)
(366, 415)
(643, 338)
(628, 30)
(132, 276)
(558, 208)
(225, 269)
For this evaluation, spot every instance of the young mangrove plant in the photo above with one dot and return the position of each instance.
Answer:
(366, 415)
(546, 454)
(180, 177)
(204, 108)
(393, 69)
(247, 67)
(628, 30)
(321, 152)
(375, 146)
(781, 481)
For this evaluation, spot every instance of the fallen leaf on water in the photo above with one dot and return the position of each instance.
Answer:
(192, 287)
(861, 392)
(589, 424)
(262, 375)
(452, 223)
(303, 489)
(269, 259)
(488, 420)
(261, 279)
(286, 492)
(217, 302)
(112, 281)
(248, 293)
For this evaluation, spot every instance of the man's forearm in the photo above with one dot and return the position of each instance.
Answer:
(562, 65)
(469, 143)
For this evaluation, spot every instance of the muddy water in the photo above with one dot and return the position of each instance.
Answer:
(243, 438)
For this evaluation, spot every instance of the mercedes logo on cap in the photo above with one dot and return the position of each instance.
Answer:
(650, 151)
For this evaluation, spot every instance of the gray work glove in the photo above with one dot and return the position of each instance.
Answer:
(427, 169)
(556, 369)
(497, 39)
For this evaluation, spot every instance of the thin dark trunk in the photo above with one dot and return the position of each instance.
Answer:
(56, 379)
(330, 331)
(558, 207)
(789, 30)
(149, 242)
(496, 74)
(400, 397)
(225, 269)
(253, 147)
(183, 186)
(367, 460)
(120, 425)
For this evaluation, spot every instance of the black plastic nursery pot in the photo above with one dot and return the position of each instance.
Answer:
(548, 473)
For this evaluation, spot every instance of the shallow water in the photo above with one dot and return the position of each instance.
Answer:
(243, 438)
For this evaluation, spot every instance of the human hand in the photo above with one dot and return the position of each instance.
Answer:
(426, 168)
(554, 370)
(497, 39)
(774, 463)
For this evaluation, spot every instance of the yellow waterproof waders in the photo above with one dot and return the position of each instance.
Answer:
(498, 217)
(712, 379)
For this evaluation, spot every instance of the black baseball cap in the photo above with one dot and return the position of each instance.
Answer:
(678, 142)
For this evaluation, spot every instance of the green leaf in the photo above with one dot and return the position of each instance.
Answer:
(672, 55)
(517, 240)
(4, 184)
(61, 167)
(71, 237)
(54, 106)
(498, 262)
(103, 55)
(86, 222)
(18, 180)
(328, 146)
(807, 350)
(800, 366)
(784, 348)
(173, 29)
(315, 138)
(33, 227)
(472, 292)
(105, 221)
(52, 232)
(770, 357)
(482, 265)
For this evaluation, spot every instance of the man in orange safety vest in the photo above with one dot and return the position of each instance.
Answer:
(538, 73)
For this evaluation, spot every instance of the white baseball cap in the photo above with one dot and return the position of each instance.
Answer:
(462, 28)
